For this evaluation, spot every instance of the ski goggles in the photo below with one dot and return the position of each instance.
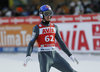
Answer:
(48, 13)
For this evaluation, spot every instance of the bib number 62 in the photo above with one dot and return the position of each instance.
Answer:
(49, 38)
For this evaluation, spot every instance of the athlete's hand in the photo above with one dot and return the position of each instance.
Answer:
(74, 59)
(27, 59)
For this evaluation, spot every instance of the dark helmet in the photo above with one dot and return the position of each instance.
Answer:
(45, 10)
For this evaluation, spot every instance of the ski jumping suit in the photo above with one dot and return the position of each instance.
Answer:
(45, 34)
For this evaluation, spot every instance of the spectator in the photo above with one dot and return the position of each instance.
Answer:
(62, 9)
(36, 10)
(8, 13)
(0, 12)
(4, 10)
(88, 9)
(19, 10)
(26, 11)
(95, 5)
(72, 8)
(79, 9)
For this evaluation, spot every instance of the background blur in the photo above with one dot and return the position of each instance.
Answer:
(11, 8)
(79, 26)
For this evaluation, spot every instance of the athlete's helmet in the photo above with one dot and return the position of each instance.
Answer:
(45, 10)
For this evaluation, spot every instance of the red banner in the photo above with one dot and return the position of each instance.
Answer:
(55, 19)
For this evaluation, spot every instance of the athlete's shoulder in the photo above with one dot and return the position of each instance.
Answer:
(35, 28)
(56, 27)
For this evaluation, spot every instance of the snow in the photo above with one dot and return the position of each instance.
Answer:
(13, 62)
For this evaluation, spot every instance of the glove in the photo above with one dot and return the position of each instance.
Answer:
(27, 59)
(74, 59)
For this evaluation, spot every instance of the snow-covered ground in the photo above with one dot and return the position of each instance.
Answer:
(13, 62)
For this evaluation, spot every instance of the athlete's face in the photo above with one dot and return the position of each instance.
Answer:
(47, 18)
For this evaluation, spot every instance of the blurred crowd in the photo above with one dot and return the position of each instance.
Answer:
(79, 7)
(21, 10)
(72, 8)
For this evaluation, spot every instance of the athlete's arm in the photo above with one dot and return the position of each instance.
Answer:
(61, 43)
(35, 34)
